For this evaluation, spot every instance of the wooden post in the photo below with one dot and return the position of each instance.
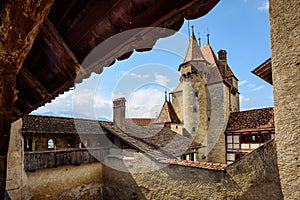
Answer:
(7, 96)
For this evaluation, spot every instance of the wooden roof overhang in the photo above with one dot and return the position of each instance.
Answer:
(74, 28)
(264, 71)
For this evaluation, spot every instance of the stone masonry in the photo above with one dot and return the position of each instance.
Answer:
(285, 44)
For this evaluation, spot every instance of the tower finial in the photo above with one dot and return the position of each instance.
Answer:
(193, 31)
(199, 39)
(207, 38)
(166, 96)
(189, 28)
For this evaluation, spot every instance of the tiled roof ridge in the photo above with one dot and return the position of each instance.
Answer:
(59, 117)
(195, 164)
(256, 109)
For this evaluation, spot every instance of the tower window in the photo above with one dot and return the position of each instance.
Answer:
(196, 94)
(194, 109)
(194, 129)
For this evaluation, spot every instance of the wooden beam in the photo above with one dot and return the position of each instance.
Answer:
(60, 51)
(29, 79)
(21, 21)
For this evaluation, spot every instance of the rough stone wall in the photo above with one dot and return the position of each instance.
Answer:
(15, 165)
(170, 182)
(255, 176)
(69, 182)
(219, 101)
(285, 44)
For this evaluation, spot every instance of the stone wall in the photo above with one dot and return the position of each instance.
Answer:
(285, 44)
(253, 177)
(219, 101)
(67, 183)
(15, 165)
(256, 174)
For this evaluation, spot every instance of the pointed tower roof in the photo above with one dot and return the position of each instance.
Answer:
(167, 114)
(193, 52)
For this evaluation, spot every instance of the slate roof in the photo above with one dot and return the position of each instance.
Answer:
(162, 143)
(251, 120)
(59, 125)
(167, 114)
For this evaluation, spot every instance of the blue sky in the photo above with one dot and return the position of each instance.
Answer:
(241, 27)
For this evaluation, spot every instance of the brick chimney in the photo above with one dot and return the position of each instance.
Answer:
(222, 57)
(119, 112)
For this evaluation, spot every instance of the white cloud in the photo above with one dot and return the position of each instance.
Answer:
(244, 99)
(258, 88)
(135, 75)
(243, 82)
(144, 103)
(264, 6)
(161, 79)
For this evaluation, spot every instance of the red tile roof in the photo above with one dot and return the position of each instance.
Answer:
(251, 120)
(140, 121)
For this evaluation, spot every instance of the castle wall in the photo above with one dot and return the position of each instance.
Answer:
(219, 101)
(67, 183)
(285, 44)
(253, 177)
(195, 107)
(177, 104)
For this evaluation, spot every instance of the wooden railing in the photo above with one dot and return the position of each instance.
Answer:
(51, 159)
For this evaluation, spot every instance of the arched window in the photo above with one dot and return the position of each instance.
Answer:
(50, 144)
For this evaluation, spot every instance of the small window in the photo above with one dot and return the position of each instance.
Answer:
(194, 129)
(50, 144)
(194, 109)
(196, 94)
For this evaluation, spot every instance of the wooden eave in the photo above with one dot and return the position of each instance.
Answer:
(264, 71)
(74, 28)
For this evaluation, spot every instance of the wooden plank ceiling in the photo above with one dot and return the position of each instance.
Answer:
(75, 27)
(264, 71)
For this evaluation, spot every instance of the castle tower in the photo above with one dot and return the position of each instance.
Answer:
(193, 77)
(119, 109)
